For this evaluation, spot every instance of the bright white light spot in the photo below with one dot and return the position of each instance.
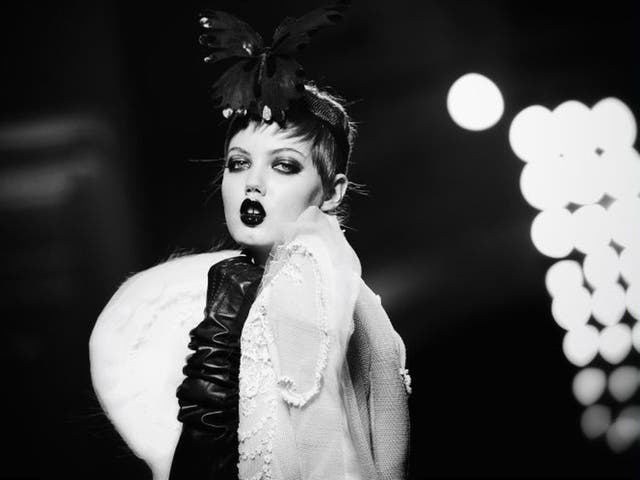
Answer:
(572, 308)
(625, 221)
(623, 382)
(552, 232)
(608, 304)
(591, 228)
(630, 263)
(595, 421)
(580, 345)
(585, 182)
(613, 124)
(632, 300)
(623, 433)
(531, 134)
(602, 267)
(562, 276)
(544, 184)
(621, 175)
(589, 385)
(475, 102)
(615, 343)
(571, 127)
(635, 336)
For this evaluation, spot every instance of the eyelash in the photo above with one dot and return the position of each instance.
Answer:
(232, 164)
(290, 167)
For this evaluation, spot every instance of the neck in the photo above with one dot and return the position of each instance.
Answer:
(258, 255)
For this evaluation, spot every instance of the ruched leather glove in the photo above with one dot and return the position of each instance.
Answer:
(208, 396)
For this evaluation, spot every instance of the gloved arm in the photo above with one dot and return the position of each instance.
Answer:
(208, 396)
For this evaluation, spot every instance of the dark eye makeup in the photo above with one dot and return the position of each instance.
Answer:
(235, 164)
(285, 166)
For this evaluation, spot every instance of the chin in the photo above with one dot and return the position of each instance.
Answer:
(252, 237)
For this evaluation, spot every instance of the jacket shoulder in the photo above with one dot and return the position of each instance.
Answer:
(138, 346)
(180, 271)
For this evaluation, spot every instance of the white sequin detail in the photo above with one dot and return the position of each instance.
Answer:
(406, 378)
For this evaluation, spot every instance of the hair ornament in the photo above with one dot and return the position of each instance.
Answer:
(263, 81)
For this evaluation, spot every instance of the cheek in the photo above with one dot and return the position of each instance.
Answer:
(227, 190)
(296, 199)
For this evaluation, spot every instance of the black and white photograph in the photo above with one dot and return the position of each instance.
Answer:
(309, 240)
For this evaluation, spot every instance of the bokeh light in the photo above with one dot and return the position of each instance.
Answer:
(562, 276)
(595, 421)
(580, 345)
(591, 228)
(615, 343)
(608, 303)
(571, 127)
(552, 232)
(613, 124)
(630, 263)
(632, 300)
(584, 181)
(543, 184)
(571, 308)
(624, 431)
(621, 178)
(601, 267)
(576, 154)
(530, 134)
(635, 336)
(623, 382)
(582, 173)
(588, 385)
(624, 218)
(475, 102)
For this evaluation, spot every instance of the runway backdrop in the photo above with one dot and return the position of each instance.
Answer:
(103, 106)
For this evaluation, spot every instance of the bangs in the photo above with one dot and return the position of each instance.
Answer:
(304, 126)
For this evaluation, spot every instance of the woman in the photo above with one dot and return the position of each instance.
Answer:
(303, 377)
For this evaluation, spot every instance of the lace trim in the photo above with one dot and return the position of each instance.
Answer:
(287, 385)
(257, 374)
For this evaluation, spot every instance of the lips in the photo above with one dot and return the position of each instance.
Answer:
(252, 213)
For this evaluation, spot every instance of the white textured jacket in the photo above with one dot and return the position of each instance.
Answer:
(139, 344)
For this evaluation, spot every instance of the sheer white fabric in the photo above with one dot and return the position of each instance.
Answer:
(293, 369)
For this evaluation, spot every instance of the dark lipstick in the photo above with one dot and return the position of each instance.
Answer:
(252, 213)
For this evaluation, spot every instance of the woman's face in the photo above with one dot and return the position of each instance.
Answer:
(269, 180)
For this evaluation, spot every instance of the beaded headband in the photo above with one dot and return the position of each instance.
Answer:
(268, 82)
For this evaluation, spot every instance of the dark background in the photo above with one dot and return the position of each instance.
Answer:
(104, 104)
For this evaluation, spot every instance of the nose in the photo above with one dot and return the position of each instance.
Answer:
(255, 182)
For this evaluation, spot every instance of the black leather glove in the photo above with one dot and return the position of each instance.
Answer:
(208, 397)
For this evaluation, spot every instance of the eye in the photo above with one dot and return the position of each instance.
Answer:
(235, 164)
(288, 167)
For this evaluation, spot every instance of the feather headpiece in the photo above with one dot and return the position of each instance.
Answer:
(263, 81)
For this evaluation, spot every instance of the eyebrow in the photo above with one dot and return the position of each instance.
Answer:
(272, 152)
(241, 150)
(287, 149)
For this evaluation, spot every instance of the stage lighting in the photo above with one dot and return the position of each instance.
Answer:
(475, 102)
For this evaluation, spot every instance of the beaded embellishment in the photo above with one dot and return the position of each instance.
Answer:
(406, 379)
(260, 389)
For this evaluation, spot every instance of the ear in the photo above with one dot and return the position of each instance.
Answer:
(334, 197)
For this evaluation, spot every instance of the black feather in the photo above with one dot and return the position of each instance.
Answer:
(261, 77)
